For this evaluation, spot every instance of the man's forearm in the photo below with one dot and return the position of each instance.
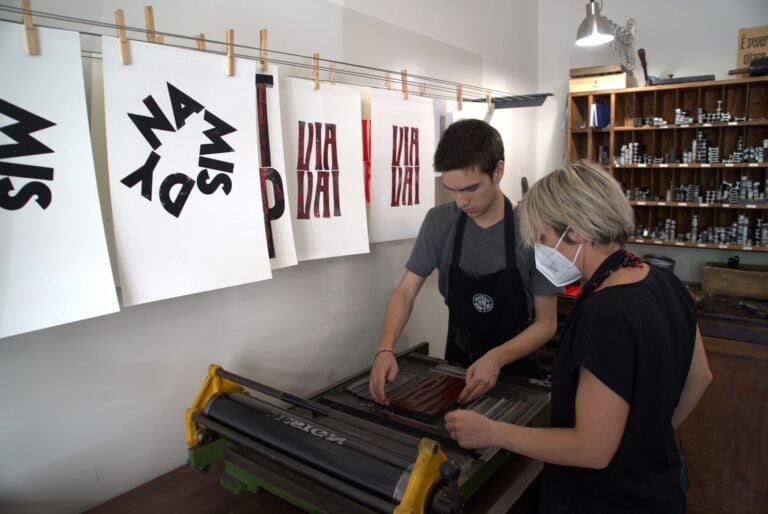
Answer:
(397, 315)
(526, 342)
(399, 309)
(534, 336)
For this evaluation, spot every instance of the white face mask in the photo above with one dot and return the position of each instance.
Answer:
(555, 266)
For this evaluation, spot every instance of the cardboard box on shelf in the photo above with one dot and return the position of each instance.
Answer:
(753, 44)
(601, 82)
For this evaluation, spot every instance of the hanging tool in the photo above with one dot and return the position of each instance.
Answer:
(656, 81)
(757, 68)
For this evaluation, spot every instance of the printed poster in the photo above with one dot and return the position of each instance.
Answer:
(54, 265)
(322, 132)
(277, 214)
(402, 186)
(184, 171)
(367, 158)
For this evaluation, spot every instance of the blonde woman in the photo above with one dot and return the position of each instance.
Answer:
(630, 365)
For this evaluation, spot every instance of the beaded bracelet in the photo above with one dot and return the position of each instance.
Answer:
(382, 351)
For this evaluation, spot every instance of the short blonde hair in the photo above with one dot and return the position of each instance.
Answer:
(580, 195)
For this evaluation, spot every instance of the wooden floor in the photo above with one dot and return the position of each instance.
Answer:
(513, 489)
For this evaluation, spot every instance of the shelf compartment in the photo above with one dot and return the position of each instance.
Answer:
(624, 110)
(577, 142)
(709, 97)
(757, 110)
(735, 101)
(579, 114)
(666, 103)
(645, 104)
(688, 101)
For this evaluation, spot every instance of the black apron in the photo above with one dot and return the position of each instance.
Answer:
(488, 310)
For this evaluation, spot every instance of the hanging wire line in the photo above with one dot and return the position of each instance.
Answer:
(439, 88)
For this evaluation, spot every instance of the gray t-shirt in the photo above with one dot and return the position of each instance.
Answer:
(482, 252)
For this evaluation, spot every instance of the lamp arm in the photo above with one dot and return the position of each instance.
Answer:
(624, 41)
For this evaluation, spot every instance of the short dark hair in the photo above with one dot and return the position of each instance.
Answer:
(469, 143)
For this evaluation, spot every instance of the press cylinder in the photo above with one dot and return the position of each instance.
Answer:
(308, 442)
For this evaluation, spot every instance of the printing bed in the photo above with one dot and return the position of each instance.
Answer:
(338, 451)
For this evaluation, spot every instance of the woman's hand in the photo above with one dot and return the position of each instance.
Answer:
(470, 429)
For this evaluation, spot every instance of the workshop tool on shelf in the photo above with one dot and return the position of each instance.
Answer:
(339, 451)
(656, 81)
(757, 68)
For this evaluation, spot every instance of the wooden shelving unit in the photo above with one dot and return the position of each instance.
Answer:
(742, 99)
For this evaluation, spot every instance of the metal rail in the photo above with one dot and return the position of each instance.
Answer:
(440, 88)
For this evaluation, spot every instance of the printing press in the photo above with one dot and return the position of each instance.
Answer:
(339, 451)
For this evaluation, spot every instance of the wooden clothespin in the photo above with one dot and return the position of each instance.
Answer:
(263, 49)
(159, 39)
(200, 41)
(316, 71)
(149, 20)
(29, 28)
(489, 101)
(229, 38)
(459, 99)
(422, 89)
(125, 54)
(404, 82)
(332, 73)
(386, 80)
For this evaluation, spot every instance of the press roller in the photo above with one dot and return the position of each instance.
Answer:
(316, 457)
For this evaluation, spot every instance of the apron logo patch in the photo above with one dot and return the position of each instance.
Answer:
(482, 302)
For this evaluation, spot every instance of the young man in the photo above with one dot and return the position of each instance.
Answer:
(489, 281)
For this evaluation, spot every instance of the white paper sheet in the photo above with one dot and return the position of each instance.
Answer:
(184, 171)
(402, 179)
(54, 265)
(323, 141)
(274, 186)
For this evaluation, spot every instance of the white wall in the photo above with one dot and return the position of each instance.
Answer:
(94, 408)
(684, 37)
(503, 33)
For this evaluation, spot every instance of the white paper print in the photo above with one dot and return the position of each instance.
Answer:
(184, 171)
(402, 186)
(277, 221)
(54, 265)
(323, 141)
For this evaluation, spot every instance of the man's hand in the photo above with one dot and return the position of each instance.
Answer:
(384, 371)
(470, 429)
(481, 377)
(398, 311)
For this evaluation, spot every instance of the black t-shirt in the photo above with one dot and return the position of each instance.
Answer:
(638, 340)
